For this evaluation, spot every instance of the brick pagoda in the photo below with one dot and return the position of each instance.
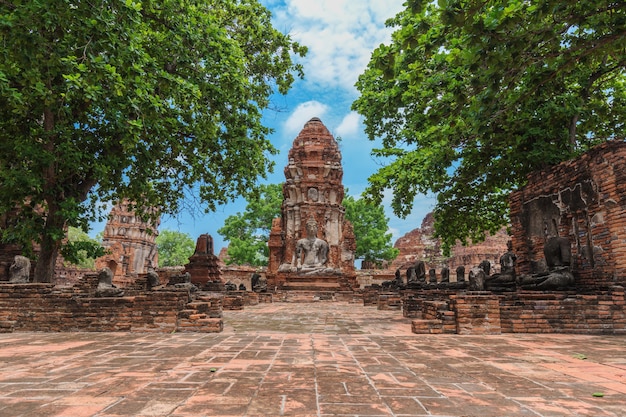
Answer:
(313, 194)
(203, 266)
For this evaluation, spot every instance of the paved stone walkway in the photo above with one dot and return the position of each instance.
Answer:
(310, 359)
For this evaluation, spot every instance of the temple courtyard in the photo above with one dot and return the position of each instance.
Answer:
(311, 359)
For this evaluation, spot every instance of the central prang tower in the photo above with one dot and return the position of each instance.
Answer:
(312, 245)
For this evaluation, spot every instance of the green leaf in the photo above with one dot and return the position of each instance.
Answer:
(248, 232)
(469, 97)
(103, 101)
(174, 248)
(371, 230)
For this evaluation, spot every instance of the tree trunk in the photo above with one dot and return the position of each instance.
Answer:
(49, 250)
(44, 269)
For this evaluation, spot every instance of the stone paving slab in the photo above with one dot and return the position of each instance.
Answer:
(310, 359)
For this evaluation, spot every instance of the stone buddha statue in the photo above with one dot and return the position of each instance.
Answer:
(506, 278)
(105, 286)
(311, 251)
(558, 257)
(19, 271)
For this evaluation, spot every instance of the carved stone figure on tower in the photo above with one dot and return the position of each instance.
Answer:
(311, 252)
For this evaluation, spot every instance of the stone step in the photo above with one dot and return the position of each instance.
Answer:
(304, 278)
(7, 326)
(311, 286)
(420, 326)
(306, 296)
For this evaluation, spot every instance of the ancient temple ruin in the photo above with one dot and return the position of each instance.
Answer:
(582, 200)
(312, 244)
(131, 244)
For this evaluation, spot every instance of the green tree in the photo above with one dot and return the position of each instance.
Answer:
(373, 242)
(174, 247)
(471, 96)
(248, 232)
(81, 249)
(148, 101)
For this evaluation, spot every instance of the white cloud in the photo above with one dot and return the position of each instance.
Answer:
(302, 114)
(395, 233)
(350, 125)
(340, 35)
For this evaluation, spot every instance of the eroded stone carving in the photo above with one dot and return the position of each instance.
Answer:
(182, 281)
(395, 284)
(486, 267)
(311, 252)
(19, 271)
(506, 278)
(445, 274)
(477, 279)
(105, 286)
(432, 276)
(258, 282)
(416, 274)
(152, 279)
(460, 273)
(558, 255)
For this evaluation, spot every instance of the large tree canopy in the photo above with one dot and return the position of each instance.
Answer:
(104, 100)
(471, 96)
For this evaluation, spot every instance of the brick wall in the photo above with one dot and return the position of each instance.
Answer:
(370, 295)
(389, 301)
(564, 312)
(44, 307)
(476, 313)
(436, 311)
(584, 200)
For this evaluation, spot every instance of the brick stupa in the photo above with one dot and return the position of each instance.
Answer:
(203, 266)
(312, 244)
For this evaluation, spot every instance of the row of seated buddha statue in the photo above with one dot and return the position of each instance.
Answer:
(258, 283)
(417, 277)
(554, 274)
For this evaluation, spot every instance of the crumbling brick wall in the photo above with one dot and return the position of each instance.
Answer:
(564, 312)
(46, 307)
(601, 312)
(584, 200)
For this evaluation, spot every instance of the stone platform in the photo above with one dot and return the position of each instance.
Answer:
(293, 282)
(309, 284)
(313, 359)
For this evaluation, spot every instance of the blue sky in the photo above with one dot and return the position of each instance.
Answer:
(340, 35)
